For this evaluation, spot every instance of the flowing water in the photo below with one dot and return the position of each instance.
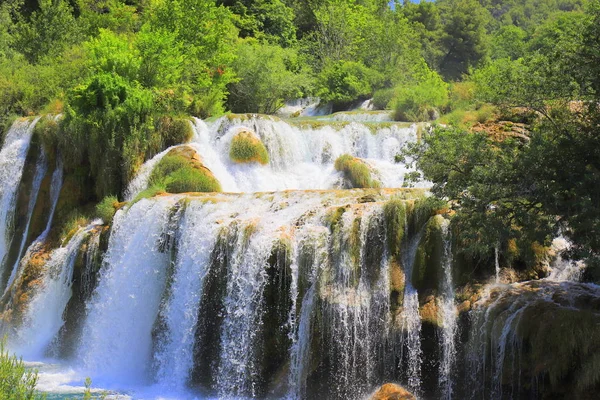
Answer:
(12, 162)
(284, 286)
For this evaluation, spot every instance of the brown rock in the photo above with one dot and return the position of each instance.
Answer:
(391, 391)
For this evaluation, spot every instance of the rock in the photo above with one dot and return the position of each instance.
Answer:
(391, 391)
(246, 147)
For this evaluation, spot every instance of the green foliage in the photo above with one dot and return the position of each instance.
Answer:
(356, 171)
(177, 174)
(465, 41)
(246, 147)
(107, 208)
(508, 42)
(382, 98)
(16, 383)
(268, 75)
(344, 82)
(47, 31)
(418, 102)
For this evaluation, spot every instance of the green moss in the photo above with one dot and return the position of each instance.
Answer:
(75, 220)
(427, 268)
(394, 212)
(356, 171)
(46, 131)
(178, 174)
(247, 148)
(107, 208)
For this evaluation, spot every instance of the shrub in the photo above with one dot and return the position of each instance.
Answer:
(356, 171)
(344, 82)
(107, 208)
(175, 131)
(16, 383)
(246, 148)
(382, 98)
(177, 174)
(418, 101)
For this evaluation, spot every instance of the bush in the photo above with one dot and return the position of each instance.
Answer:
(344, 82)
(177, 174)
(16, 383)
(418, 102)
(356, 171)
(107, 208)
(382, 98)
(246, 148)
(268, 76)
(175, 131)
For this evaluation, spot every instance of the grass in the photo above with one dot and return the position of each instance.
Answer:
(16, 382)
(175, 131)
(178, 174)
(356, 171)
(247, 148)
(107, 208)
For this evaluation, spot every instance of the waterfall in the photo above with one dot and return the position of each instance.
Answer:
(116, 342)
(41, 168)
(12, 162)
(55, 188)
(43, 318)
(497, 263)
(449, 317)
(411, 320)
(302, 155)
(140, 182)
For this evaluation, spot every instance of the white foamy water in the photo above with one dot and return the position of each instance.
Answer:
(301, 156)
(12, 162)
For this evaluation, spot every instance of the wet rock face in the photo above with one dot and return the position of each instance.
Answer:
(391, 391)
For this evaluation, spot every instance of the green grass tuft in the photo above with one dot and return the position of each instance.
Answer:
(177, 174)
(107, 208)
(247, 148)
(356, 171)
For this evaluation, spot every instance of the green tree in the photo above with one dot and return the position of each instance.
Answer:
(267, 76)
(47, 31)
(465, 41)
(16, 382)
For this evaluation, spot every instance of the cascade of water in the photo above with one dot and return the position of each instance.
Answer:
(174, 353)
(116, 342)
(311, 253)
(12, 162)
(449, 317)
(411, 320)
(92, 256)
(55, 188)
(44, 316)
(564, 269)
(497, 263)
(301, 156)
(140, 182)
(41, 168)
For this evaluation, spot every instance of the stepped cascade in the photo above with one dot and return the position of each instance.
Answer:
(298, 280)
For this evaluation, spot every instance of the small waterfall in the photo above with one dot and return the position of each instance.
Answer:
(44, 316)
(497, 263)
(449, 318)
(116, 342)
(174, 355)
(55, 188)
(140, 182)
(564, 269)
(12, 162)
(41, 167)
(411, 321)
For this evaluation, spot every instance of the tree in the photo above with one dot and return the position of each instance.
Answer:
(267, 76)
(47, 31)
(465, 40)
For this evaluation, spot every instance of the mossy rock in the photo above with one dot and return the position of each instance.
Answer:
(181, 170)
(427, 269)
(357, 173)
(246, 147)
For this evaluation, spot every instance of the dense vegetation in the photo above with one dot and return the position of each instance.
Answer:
(126, 75)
